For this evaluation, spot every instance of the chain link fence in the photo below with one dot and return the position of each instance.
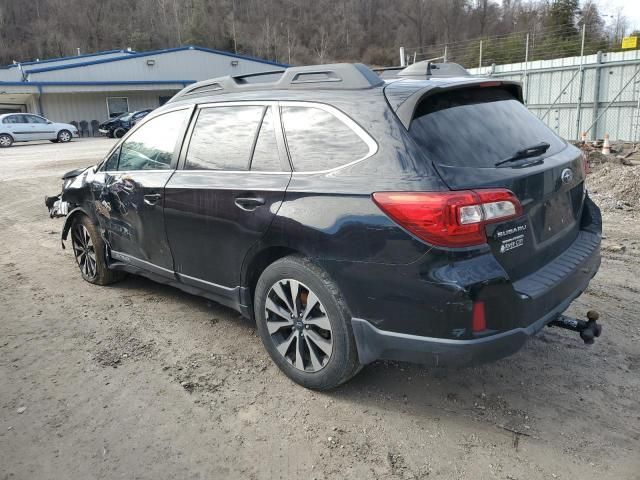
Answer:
(590, 91)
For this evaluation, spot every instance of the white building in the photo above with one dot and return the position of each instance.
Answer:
(94, 87)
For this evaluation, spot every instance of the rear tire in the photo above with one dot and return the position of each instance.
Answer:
(310, 337)
(6, 140)
(64, 136)
(89, 251)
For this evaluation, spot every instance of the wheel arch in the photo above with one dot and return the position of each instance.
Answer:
(255, 263)
(71, 217)
(63, 129)
(13, 139)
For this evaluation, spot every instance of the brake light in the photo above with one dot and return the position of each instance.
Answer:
(449, 219)
(478, 317)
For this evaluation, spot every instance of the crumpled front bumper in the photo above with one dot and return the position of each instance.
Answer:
(56, 206)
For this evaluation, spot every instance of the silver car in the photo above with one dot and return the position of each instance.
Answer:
(24, 127)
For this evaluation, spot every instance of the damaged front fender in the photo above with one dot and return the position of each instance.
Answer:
(65, 204)
(73, 214)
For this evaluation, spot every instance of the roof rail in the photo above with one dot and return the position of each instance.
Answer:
(339, 76)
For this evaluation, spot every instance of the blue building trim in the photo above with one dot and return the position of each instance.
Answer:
(151, 53)
(184, 83)
(60, 59)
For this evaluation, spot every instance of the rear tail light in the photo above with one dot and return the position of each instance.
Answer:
(449, 219)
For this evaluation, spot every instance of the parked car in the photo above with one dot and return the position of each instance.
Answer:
(435, 221)
(118, 126)
(25, 127)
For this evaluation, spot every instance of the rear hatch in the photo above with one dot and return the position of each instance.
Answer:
(466, 131)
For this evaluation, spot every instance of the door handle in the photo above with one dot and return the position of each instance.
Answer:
(152, 198)
(249, 204)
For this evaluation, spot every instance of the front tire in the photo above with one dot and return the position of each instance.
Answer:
(119, 132)
(6, 140)
(89, 251)
(64, 136)
(305, 324)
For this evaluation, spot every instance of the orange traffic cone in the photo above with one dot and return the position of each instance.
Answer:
(606, 146)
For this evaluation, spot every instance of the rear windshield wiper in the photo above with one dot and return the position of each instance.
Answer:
(528, 152)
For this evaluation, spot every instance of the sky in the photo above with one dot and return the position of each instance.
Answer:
(630, 9)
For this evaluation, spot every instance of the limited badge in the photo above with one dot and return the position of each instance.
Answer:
(510, 237)
(512, 243)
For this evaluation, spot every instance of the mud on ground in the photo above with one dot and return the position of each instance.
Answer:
(139, 380)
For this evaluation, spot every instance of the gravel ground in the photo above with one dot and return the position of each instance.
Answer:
(139, 380)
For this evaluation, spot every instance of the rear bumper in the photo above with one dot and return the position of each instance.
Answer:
(374, 344)
(549, 292)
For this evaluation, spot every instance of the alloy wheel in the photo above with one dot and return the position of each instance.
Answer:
(84, 251)
(298, 325)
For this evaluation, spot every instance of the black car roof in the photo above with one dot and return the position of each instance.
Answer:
(338, 76)
(403, 91)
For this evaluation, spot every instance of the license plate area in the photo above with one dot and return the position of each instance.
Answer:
(553, 216)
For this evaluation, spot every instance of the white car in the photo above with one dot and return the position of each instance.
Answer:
(24, 127)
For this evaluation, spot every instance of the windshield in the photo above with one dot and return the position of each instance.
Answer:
(477, 127)
(126, 116)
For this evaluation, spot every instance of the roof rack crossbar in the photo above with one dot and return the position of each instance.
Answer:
(344, 76)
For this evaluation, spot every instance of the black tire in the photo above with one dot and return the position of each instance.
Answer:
(98, 274)
(6, 140)
(64, 136)
(342, 363)
(119, 132)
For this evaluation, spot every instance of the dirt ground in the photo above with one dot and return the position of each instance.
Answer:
(139, 380)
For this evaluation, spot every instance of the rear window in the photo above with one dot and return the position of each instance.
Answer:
(477, 127)
(318, 140)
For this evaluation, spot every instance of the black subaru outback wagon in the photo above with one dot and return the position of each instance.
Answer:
(431, 220)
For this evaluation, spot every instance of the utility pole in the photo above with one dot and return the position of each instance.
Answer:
(480, 58)
(581, 84)
(526, 71)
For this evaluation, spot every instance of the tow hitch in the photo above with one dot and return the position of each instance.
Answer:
(588, 330)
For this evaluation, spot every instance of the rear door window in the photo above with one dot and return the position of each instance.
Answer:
(223, 138)
(477, 127)
(318, 140)
(15, 119)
